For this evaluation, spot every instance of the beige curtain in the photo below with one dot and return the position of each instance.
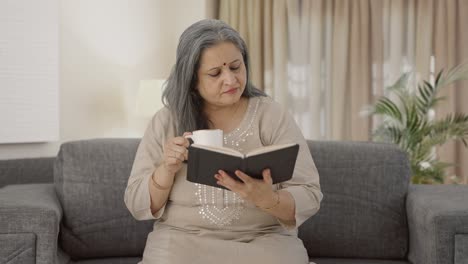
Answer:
(462, 91)
(351, 69)
(296, 45)
(326, 59)
(450, 48)
(263, 25)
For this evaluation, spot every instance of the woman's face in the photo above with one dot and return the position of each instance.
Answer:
(221, 75)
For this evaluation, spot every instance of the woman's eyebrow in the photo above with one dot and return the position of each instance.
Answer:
(221, 65)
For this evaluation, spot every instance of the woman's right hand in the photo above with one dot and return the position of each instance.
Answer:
(175, 152)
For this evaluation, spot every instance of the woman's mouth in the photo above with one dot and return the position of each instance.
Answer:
(231, 91)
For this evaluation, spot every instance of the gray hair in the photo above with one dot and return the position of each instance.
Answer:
(180, 95)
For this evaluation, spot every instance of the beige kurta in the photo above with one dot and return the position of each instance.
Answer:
(202, 224)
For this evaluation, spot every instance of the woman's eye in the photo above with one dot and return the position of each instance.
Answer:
(214, 74)
(235, 68)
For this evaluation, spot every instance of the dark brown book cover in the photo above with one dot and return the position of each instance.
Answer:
(204, 162)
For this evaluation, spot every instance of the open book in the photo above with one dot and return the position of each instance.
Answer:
(205, 161)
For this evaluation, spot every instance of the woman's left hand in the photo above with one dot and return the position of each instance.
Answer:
(259, 192)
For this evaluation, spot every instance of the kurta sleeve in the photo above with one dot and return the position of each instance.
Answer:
(279, 127)
(148, 157)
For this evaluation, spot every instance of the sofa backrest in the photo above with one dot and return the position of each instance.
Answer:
(28, 170)
(90, 179)
(363, 213)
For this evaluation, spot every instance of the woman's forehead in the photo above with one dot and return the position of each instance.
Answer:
(219, 55)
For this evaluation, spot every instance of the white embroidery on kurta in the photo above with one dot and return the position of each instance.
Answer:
(221, 207)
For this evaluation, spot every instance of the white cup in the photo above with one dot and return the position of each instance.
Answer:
(207, 137)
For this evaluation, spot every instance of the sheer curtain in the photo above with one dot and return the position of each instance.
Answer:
(450, 48)
(302, 52)
(326, 59)
(263, 25)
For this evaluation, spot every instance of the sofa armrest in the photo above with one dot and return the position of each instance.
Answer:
(438, 224)
(29, 223)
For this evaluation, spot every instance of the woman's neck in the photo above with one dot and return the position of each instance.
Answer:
(227, 118)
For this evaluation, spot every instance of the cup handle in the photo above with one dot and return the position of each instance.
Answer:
(189, 137)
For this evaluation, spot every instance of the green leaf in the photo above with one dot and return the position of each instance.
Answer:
(386, 107)
(406, 122)
(437, 80)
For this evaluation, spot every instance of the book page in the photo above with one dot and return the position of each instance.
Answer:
(227, 151)
(267, 149)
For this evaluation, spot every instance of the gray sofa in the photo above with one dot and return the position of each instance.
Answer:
(369, 214)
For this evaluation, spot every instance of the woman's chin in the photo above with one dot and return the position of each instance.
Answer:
(233, 99)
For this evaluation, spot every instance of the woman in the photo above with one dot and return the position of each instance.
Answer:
(254, 222)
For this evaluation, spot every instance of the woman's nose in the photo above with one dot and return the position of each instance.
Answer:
(229, 78)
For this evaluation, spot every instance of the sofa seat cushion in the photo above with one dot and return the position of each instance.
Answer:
(90, 179)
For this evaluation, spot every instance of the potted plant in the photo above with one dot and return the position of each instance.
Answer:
(408, 120)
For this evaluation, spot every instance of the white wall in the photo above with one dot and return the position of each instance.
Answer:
(106, 48)
(29, 61)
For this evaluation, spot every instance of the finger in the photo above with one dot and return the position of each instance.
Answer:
(267, 176)
(173, 155)
(188, 140)
(179, 157)
(181, 141)
(228, 181)
(184, 155)
(178, 149)
(244, 177)
(221, 183)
